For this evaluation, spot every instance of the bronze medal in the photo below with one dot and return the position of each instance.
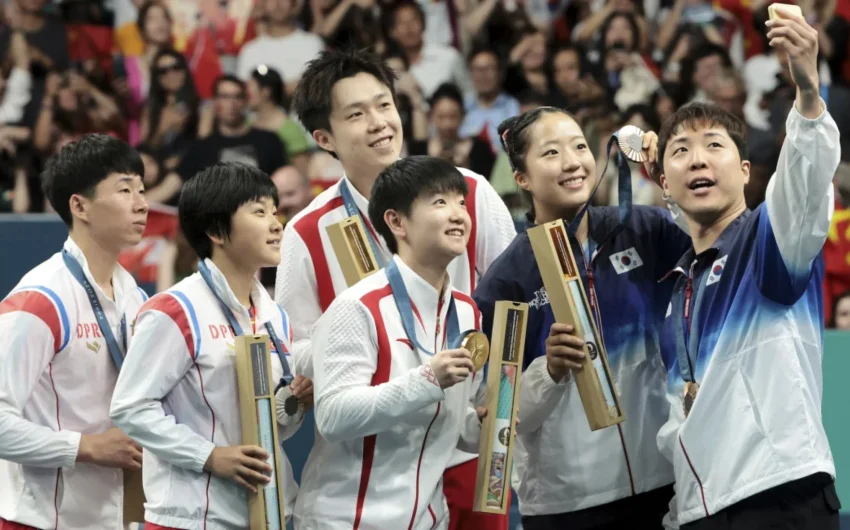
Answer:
(478, 346)
(689, 396)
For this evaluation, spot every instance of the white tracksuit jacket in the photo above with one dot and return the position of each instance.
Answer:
(309, 276)
(386, 429)
(178, 397)
(56, 382)
(756, 338)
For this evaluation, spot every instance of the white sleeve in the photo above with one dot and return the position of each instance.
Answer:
(157, 360)
(799, 197)
(495, 224)
(26, 351)
(297, 293)
(539, 394)
(345, 359)
(470, 432)
(18, 89)
(668, 434)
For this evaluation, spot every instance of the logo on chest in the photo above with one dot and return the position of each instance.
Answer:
(541, 298)
(716, 270)
(626, 260)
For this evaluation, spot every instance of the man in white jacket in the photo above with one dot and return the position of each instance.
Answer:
(743, 336)
(395, 392)
(177, 394)
(65, 329)
(347, 102)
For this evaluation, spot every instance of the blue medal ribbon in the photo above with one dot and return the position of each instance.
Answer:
(402, 300)
(116, 352)
(237, 329)
(352, 210)
(624, 188)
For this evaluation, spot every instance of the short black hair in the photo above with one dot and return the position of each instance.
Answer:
(405, 180)
(270, 78)
(81, 165)
(696, 115)
(390, 12)
(447, 91)
(211, 197)
(312, 101)
(480, 48)
(227, 78)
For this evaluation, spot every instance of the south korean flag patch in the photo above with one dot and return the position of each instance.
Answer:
(716, 270)
(626, 260)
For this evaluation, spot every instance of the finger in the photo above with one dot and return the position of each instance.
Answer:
(138, 446)
(237, 479)
(260, 466)
(559, 328)
(251, 476)
(481, 412)
(567, 354)
(653, 149)
(789, 34)
(138, 458)
(464, 364)
(254, 451)
(570, 341)
(458, 353)
(132, 465)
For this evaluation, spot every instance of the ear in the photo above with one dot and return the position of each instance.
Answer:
(745, 169)
(521, 180)
(216, 240)
(79, 207)
(395, 223)
(324, 139)
(662, 179)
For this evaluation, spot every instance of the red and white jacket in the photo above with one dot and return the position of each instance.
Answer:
(309, 276)
(386, 429)
(178, 397)
(56, 382)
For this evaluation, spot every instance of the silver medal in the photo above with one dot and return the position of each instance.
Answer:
(630, 140)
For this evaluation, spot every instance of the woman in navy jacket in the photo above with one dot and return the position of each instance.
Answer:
(566, 475)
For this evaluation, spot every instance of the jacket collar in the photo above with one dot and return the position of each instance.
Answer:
(264, 307)
(427, 302)
(684, 264)
(123, 284)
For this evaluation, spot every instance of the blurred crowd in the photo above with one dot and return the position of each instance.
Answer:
(192, 82)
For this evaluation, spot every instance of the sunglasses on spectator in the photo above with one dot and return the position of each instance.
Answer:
(162, 70)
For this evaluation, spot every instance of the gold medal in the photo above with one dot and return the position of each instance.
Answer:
(630, 140)
(689, 396)
(478, 346)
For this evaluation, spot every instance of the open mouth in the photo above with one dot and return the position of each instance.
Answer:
(701, 183)
(383, 142)
(273, 242)
(456, 232)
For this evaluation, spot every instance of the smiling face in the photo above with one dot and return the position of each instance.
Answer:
(560, 170)
(437, 229)
(703, 171)
(255, 235)
(365, 128)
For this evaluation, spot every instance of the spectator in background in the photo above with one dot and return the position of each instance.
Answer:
(431, 64)
(526, 66)
(572, 87)
(841, 313)
(155, 28)
(698, 71)
(266, 101)
(446, 116)
(285, 47)
(72, 107)
(48, 47)
(410, 102)
(232, 140)
(344, 23)
(489, 105)
(171, 114)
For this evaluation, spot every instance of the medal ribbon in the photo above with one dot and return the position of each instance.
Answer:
(115, 351)
(402, 301)
(237, 329)
(352, 210)
(624, 187)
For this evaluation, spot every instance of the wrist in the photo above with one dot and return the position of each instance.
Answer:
(556, 375)
(84, 452)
